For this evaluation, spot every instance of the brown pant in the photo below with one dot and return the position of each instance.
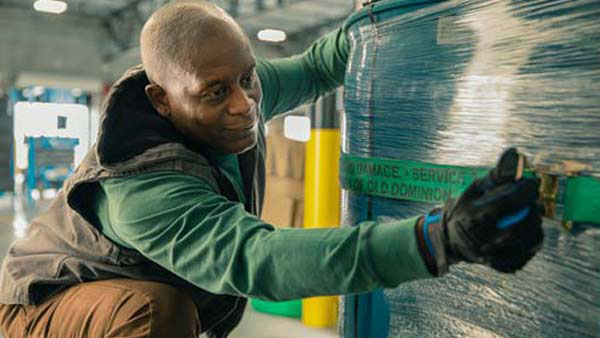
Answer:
(108, 308)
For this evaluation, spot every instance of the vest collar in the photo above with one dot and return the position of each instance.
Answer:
(129, 124)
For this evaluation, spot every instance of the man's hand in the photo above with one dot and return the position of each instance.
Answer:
(496, 222)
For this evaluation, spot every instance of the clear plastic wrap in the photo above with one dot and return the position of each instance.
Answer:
(455, 83)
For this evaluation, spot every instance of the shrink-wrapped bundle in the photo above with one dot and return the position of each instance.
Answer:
(454, 83)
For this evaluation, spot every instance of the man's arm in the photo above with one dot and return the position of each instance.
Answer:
(181, 223)
(290, 82)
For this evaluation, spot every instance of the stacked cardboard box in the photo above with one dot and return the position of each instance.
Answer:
(284, 194)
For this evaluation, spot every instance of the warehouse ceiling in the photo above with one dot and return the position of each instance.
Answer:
(302, 20)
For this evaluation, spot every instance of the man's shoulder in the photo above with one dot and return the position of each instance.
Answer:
(158, 180)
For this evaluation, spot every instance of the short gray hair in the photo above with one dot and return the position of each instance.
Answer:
(169, 37)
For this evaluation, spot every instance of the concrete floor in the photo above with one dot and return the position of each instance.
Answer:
(253, 325)
(260, 325)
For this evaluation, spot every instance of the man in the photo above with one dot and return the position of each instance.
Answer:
(157, 234)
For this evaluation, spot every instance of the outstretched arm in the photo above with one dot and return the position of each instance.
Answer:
(181, 223)
(290, 82)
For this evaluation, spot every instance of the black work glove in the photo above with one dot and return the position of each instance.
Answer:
(494, 222)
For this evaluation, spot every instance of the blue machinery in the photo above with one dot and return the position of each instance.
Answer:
(454, 83)
(50, 159)
(50, 162)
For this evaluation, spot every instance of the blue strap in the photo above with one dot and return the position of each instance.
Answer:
(428, 220)
(513, 218)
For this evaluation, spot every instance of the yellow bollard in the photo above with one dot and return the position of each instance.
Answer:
(322, 202)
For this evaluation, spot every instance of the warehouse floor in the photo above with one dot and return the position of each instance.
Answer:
(253, 325)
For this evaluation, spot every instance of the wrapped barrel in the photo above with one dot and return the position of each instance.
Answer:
(452, 84)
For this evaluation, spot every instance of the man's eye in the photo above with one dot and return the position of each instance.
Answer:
(248, 81)
(217, 93)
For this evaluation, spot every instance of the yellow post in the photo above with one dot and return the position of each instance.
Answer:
(322, 198)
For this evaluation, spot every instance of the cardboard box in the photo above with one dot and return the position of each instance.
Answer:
(284, 191)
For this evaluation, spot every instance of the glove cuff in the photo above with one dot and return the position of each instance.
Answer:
(431, 241)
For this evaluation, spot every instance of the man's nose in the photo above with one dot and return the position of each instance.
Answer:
(240, 103)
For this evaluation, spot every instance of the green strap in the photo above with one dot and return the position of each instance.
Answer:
(408, 180)
(582, 200)
(434, 183)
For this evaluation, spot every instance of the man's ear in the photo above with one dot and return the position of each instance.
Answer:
(158, 97)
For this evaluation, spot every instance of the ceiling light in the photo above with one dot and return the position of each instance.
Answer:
(272, 35)
(50, 6)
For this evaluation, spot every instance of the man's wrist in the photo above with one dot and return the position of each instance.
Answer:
(394, 253)
(426, 254)
(430, 235)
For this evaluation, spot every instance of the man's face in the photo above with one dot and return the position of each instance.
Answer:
(217, 103)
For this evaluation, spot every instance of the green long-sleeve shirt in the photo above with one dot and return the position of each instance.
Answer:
(180, 222)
